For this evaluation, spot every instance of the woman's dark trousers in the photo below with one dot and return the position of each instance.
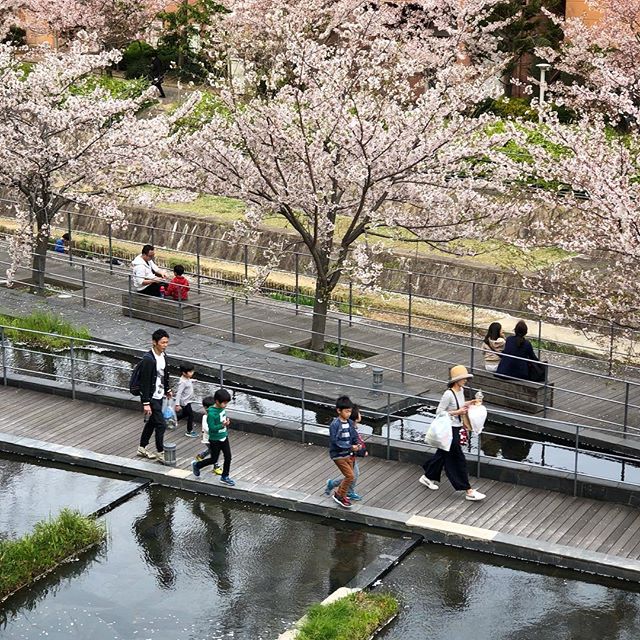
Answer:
(454, 463)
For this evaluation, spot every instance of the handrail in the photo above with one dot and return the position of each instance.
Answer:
(74, 380)
(474, 284)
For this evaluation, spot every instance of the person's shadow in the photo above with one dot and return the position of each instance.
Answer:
(346, 556)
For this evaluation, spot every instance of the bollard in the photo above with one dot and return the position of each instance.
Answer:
(377, 376)
(170, 454)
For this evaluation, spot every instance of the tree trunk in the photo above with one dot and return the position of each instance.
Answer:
(319, 322)
(38, 263)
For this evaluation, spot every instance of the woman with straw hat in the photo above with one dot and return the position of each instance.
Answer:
(453, 461)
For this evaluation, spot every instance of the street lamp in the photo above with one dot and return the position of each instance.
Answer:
(544, 67)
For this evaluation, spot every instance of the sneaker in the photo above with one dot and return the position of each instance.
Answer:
(194, 469)
(352, 495)
(143, 452)
(343, 502)
(217, 469)
(474, 496)
(191, 434)
(159, 456)
(328, 488)
(428, 483)
(200, 458)
(228, 480)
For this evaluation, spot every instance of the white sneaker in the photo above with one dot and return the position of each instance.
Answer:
(143, 452)
(428, 483)
(159, 456)
(474, 496)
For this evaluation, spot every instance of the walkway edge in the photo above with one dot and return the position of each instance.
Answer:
(433, 530)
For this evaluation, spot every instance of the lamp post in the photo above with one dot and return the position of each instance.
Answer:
(544, 67)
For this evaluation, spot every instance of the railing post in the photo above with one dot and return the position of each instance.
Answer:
(626, 409)
(84, 288)
(4, 357)
(233, 318)
(339, 342)
(350, 303)
(110, 249)
(198, 273)
(296, 259)
(69, 232)
(539, 336)
(130, 299)
(545, 391)
(302, 436)
(479, 447)
(575, 465)
(388, 426)
(73, 370)
(409, 309)
(246, 262)
(402, 355)
(611, 334)
(153, 235)
(221, 375)
(473, 321)
(180, 312)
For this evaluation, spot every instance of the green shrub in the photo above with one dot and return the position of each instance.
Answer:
(16, 36)
(50, 543)
(21, 328)
(355, 617)
(136, 60)
(116, 88)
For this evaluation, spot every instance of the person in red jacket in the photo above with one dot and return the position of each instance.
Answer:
(178, 288)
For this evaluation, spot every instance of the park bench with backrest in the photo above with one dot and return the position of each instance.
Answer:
(520, 395)
(162, 311)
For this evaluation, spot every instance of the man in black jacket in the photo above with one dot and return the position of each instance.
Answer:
(154, 387)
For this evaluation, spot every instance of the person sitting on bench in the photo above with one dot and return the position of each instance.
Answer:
(147, 278)
(525, 365)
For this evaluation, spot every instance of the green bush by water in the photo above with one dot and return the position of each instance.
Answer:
(355, 617)
(21, 328)
(50, 543)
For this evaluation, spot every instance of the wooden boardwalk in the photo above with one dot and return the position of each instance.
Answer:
(533, 514)
(580, 398)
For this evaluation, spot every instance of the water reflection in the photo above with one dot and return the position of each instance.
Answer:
(452, 594)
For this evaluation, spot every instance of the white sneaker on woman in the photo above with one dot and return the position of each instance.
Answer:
(428, 483)
(474, 496)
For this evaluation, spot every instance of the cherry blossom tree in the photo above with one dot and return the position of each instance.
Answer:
(351, 122)
(114, 22)
(592, 170)
(61, 144)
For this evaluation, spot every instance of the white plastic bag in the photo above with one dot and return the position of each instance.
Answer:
(439, 433)
(169, 413)
(477, 417)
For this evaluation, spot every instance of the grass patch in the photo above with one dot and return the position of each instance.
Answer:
(50, 543)
(355, 617)
(568, 349)
(219, 207)
(21, 328)
(330, 354)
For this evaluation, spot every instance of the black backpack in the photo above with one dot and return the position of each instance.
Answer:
(134, 380)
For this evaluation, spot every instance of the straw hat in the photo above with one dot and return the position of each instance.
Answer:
(458, 373)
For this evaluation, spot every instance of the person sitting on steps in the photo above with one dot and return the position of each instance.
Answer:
(147, 277)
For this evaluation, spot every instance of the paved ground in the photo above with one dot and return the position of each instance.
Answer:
(524, 520)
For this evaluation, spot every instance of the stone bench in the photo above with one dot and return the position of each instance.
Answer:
(163, 311)
(520, 395)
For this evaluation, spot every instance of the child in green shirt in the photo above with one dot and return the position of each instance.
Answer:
(217, 423)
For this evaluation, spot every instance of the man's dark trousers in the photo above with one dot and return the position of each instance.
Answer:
(155, 423)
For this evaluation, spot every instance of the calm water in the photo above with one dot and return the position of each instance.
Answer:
(181, 566)
(30, 492)
(448, 594)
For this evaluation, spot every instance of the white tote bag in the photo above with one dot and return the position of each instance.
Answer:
(477, 417)
(439, 433)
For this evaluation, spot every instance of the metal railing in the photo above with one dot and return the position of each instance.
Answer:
(610, 336)
(112, 375)
(569, 412)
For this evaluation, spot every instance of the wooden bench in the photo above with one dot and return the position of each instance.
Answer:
(521, 395)
(163, 311)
